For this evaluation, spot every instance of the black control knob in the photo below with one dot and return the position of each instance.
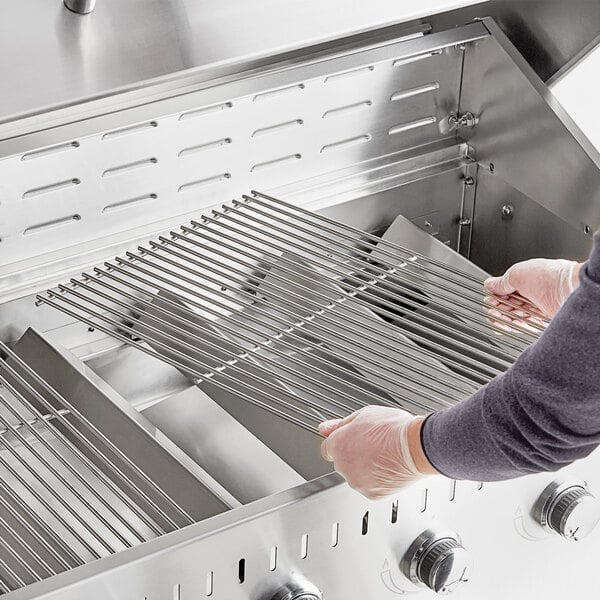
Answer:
(568, 508)
(437, 560)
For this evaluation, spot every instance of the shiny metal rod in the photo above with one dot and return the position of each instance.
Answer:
(67, 557)
(381, 244)
(154, 333)
(84, 439)
(327, 299)
(256, 348)
(352, 275)
(43, 502)
(307, 243)
(246, 300)
(67, 465)
(113, 328)
(276, 336)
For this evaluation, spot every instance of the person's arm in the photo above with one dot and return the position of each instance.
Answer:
(542, 413)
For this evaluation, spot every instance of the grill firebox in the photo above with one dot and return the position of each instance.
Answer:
(161, 383)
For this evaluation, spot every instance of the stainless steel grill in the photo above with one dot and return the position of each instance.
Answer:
(158, 432)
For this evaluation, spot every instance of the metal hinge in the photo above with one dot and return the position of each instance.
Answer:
(458, 121)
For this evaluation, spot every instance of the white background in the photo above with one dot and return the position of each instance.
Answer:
(578, 93)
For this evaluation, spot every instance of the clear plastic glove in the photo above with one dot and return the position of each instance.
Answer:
(371, 449)
(543, 282)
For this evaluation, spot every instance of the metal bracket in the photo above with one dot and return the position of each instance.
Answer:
(458, 121)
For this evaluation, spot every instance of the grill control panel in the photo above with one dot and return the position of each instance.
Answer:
(567, 508)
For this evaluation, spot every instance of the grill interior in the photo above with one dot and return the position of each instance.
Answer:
(186, 376)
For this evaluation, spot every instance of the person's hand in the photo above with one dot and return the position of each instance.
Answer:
(544, 283)
(376, 449)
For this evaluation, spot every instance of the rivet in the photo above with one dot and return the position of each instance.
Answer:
(492, 167)
(469, 180)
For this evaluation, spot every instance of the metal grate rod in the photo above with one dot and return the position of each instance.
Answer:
(277, 335)
(10, 573)
(476, 282)
(440, 298)
(361, 284)
(226, 270)
(155, 333)
(264, 344)
(99, 435)
(82, 480)
(43, 530)
(113, 328)
(35, 421)
(247, 300)
(32, 552)
(38, 496)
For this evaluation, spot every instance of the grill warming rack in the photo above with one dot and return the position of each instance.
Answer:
(70, 490)
(299, 315)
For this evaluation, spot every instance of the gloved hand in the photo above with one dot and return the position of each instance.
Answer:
(545, 283)
(376, 449)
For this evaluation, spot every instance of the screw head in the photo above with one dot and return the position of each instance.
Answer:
(469, 180)
(507, 211)
(464, 221)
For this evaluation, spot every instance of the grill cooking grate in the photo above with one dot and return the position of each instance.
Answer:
(69, 494)
(299, 315)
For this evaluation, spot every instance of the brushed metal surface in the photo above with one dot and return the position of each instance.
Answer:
(525, 138)
(49, 56)
(122, 182)
(510, 549)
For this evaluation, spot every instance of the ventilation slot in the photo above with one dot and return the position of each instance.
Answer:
(304, 546)
(394, 518)
(335, 535)
(279, 92)
(344, 110)
(129, 167)
(411, 59)
(347, 74)
(273, 559)
(452, 496)
(277, 128)
(242, 570)
(194, 185)
(365, 523)
(204, 147)
(424, 501)
(130, 130)
(207, 110)
(341, 145)
(416, 91)
(177, 592)
(53, 187)
(412, 125)
(276, 162)
(51, 224)
(50, 150)
(128, 203)
(209, 585)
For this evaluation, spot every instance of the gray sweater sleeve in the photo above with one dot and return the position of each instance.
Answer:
(541, 414)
